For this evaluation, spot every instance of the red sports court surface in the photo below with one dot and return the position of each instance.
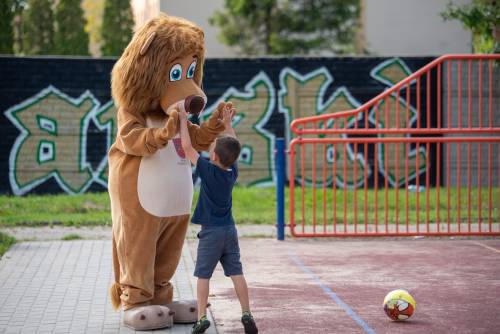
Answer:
(337, 286)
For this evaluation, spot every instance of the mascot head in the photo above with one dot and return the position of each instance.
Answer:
(161, 67)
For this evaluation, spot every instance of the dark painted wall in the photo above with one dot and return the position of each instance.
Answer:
(56, 118)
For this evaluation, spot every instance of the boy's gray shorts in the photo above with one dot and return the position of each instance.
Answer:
(218, 243)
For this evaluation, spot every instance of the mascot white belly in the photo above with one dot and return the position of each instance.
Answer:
(164, 184)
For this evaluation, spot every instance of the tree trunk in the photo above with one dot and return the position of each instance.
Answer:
(496, 33)
(267, 32)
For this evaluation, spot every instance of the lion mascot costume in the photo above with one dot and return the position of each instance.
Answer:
(150, 182)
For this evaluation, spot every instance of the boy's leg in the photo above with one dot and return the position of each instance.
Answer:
(240, 286)
(202, 289)
(202, 295)
(209, 250)
(208, 255)
(231, 263)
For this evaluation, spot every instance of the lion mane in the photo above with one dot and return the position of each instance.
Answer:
(140, 75)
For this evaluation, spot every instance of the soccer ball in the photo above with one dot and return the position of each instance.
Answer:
(399, 305)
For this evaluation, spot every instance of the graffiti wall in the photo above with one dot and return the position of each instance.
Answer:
(57, 118)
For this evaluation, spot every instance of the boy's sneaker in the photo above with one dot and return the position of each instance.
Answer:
(249, 323)
(201, 325)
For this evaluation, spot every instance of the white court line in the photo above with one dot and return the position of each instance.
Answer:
(343, 305)
(486, 246)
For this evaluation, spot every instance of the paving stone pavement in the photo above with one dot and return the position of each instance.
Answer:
(61, 287)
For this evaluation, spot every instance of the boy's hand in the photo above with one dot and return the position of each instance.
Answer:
(227, 115)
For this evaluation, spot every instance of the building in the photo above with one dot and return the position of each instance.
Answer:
(388, 27)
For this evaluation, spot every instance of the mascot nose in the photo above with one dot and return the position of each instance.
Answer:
(194, 104)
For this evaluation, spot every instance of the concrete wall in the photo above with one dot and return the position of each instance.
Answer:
(144, 10)
(474, 109)
(199, 12)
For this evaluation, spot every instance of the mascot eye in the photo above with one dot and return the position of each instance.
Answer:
(176, 72)
(191, 69)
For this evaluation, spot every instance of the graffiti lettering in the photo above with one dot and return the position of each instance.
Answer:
(52, 142)
(304, 95)
(255, 105)
(395, 112)
(105, 118)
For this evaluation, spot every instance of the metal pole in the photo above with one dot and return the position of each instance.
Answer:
(280, 187)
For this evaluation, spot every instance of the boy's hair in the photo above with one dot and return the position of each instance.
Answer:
(227, 149)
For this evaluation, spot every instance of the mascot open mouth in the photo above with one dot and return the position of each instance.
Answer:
(193, 104)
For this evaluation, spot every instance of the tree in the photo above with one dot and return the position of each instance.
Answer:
(482, 18)
(117, 27)
(93, 14)
(70, 37)
(38, 28)
(257, 27)
(6, 31)
(18, 7)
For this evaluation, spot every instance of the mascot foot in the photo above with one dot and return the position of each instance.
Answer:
(145, 318)
(186, 311)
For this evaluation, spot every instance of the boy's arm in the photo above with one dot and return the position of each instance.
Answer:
(190, 152)
(227, 120)
(230, 131)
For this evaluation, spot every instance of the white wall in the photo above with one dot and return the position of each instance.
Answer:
(391, 27)
(412, 28)
(198, 12)
(144, 10)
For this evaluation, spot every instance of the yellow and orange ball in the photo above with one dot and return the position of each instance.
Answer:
(399, 305)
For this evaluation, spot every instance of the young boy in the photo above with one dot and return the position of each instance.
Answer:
(218, 236)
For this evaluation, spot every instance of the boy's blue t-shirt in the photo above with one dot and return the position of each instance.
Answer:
(215, 200)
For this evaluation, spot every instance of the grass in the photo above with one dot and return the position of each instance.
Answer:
(77, 210)
(5, 242)
(258, 206)
(250, 205)
(429, 205)
(72, 236)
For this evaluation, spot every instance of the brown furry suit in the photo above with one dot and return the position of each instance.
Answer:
(150, 181)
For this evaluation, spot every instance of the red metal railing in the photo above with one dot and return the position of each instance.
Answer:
(421, 158)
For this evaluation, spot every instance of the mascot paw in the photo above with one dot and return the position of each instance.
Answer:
(172, 124)
(186, 311)
(145, 318)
